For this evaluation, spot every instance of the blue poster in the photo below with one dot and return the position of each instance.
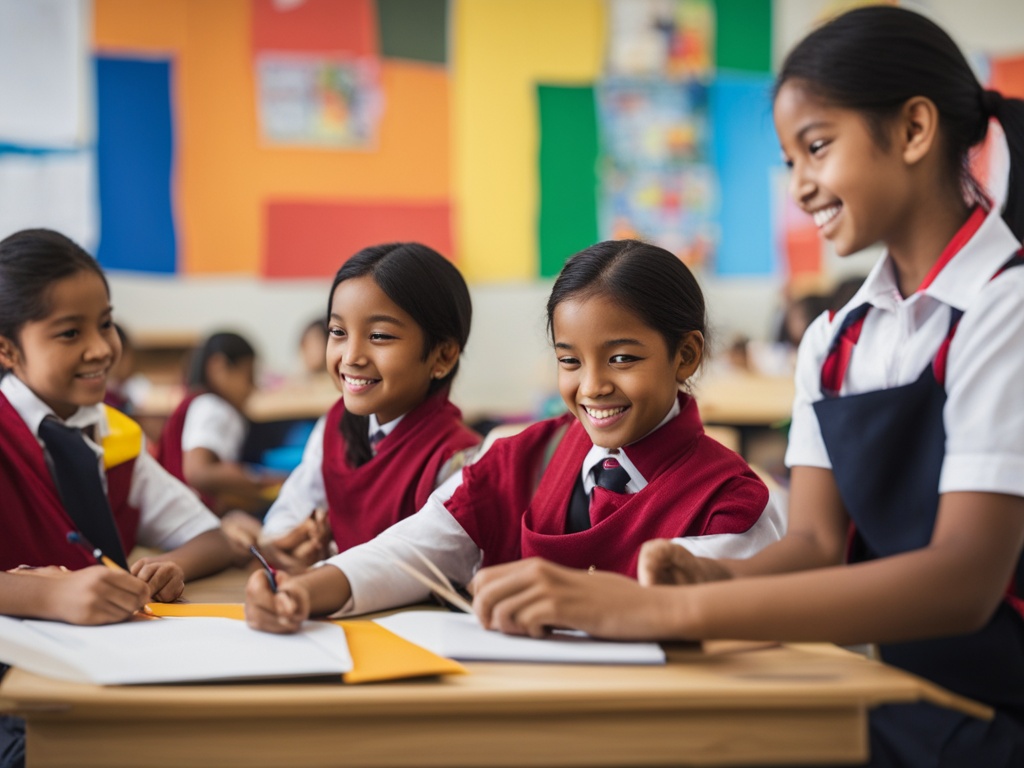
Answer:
(746, 156)
(135, 151)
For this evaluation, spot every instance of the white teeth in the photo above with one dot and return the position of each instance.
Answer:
(358, 382)
(825, 215)
(97, 375)
(604, 413)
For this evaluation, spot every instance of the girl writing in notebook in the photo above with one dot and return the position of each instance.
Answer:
(907, 443)
(629, 462)
(201, 443)
(68, 462)
(398, 319)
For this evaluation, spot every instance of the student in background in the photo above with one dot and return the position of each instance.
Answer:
(909, 415)
(630, 461)
(398, 319)
(201, 443)
(313, 349)
(125, 386)
(67, 462)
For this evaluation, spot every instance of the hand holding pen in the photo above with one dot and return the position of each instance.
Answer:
(275, 602)
(165, 580)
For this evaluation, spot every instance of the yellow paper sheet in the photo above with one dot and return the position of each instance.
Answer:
(377, 654)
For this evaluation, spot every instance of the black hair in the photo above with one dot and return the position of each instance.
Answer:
(874, 59)
(649, 281)
(428, 287)
(122, 334)
(30, 262)
(232, 346)
(844, 292)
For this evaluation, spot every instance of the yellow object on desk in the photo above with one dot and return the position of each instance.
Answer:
(377, 654)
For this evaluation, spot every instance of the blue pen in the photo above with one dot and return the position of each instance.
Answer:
(267, 568)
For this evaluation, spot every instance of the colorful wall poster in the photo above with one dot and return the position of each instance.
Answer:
(318, 101)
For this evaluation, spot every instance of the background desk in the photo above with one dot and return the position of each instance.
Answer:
(736, 706)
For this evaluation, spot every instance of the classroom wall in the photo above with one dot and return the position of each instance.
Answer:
(459, 143)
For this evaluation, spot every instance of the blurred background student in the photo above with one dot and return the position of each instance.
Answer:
(126, 386)
(202, 441)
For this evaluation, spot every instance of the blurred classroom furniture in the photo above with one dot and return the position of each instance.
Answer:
(748, 412)
(740, 399)
(162, 356)
(728, 703)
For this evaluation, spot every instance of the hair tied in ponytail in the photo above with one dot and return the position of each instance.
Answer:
(991, 103)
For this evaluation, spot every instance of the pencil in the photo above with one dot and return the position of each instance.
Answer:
(267, 567)
(74, 537)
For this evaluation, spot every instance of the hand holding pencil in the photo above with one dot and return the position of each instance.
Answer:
(165, 579)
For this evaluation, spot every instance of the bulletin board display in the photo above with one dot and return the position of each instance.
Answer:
(277, 137)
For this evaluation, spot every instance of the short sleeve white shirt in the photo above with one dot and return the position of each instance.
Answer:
(214, 424)
(984, 410)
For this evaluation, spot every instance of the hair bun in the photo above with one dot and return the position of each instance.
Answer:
(991, 102)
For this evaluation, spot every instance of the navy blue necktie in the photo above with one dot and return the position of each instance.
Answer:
(608, 474)
(375, 439)
(78, 479)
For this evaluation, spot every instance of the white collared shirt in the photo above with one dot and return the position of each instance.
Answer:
(216, 425)
(984, 411)
(170, 514)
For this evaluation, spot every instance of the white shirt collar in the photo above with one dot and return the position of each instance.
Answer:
(596, 454)
(959, 281)
(387, 429)
(32, 410)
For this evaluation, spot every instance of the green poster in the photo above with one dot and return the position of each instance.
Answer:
(744, 35)
(568, 174)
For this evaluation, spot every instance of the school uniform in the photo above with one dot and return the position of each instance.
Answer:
(202, 420)
(907, 399)
(516, 500)
(149, 507)
(411, 454)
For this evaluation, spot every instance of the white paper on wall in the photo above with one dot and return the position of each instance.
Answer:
(56, 190)
(45, 73)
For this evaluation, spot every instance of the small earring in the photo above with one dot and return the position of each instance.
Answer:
(438, 374)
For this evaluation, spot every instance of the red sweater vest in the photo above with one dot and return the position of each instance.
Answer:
(397, 481)
(695, 487)
(35, 525)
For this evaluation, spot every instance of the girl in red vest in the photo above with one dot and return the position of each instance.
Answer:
(68, 462)
(628, 462)
(201, 443)
(907, 442)
(398, 319)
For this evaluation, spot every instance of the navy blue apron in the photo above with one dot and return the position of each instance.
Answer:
(886, 449)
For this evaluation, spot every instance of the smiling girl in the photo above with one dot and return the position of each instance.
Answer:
(57, 346)
(398, 319)
(907, 443)
(630, 461)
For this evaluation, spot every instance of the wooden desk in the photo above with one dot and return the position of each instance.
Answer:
(796, 704)
(745, 399)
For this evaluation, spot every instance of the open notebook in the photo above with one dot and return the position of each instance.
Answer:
(460, 636)
(171, 651)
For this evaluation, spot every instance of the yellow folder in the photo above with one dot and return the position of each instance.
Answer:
(377, 654)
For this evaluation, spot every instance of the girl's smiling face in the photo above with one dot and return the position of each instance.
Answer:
(856, 190)
(615, 372)
(375, 352)
(65, 357)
